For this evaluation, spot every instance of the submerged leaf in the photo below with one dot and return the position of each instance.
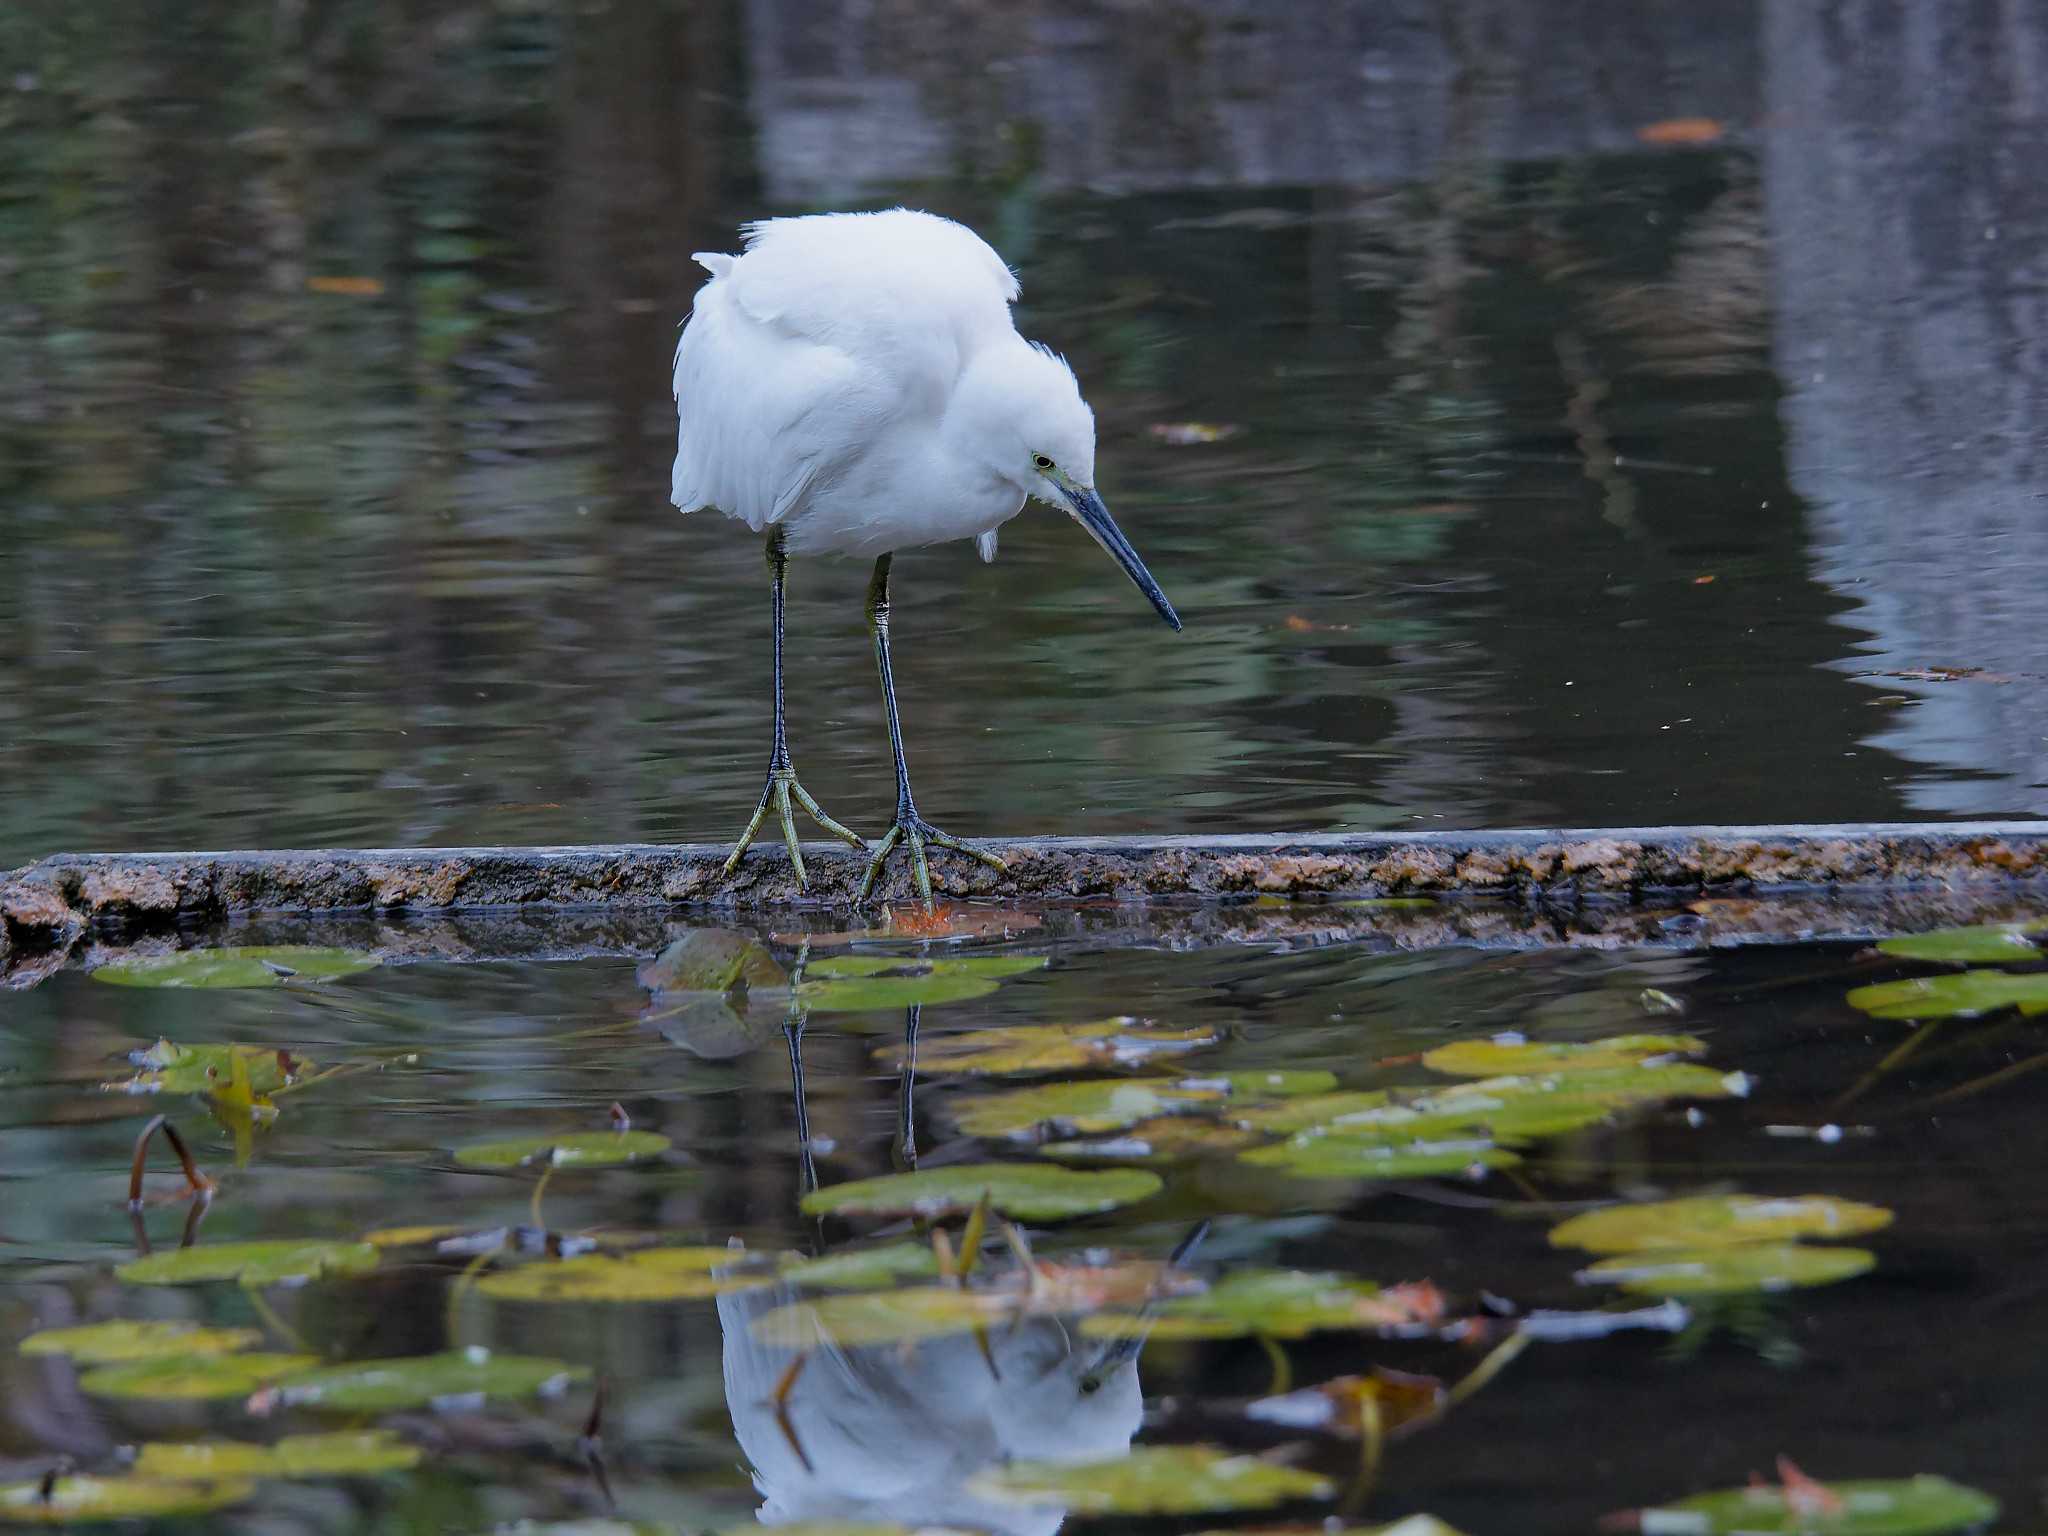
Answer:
(1995, 943)
(1117, 1042)
(1026, 1191)
(1501, 1058)
(581, 1149)
(1961, 994)
(652, 1274)
(856, 1319)
(1735, 1269)
(1152, 1480)
(287, 1262)
(419, 1381)
(346, 1453)
(194, 1376)
(82, 1500)
(260, 965)
(1914, 1506)
(122, 1340)
(1709, 1221)
(855, 1269)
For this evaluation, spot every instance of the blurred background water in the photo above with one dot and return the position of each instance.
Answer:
(1616, 412)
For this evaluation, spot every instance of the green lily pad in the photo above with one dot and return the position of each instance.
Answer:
(256, 1263)
(1152, 1480)
(419, 1381)
(193, 1377)
(168, 1067)
(856, 1319)
(1275, 1303)
(1712, 1221)
(1993, 943)
(652, 1274)
(1913, 1506)
(1026, 1191)
(1168, 1138)
(865, 983)
(347, 1453)
(858, 1269)
(1959, 995)
(1503, 1058)
(1298, 1114)
(414, 1237)
(1022, 1048)
(86, 1500)
(1731, 1270)
(581, 1149)
(1341, 1157)
(120, 1341)
(1092, 1105)
(259, 965)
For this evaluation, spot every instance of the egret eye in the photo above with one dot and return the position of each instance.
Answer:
(1041, 463)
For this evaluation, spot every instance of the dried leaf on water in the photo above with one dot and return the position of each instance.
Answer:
(1153, 1480)
(87, 1500)
(1026, 1191)
(1763, 1267)
(1914, 1506)
(420, 1381)
(580, 1149)
(123, 1340)
(287, 1262)
(1117, 1042)
(1712, 1221)
(259, 965)
(345, 1453)
(193, 1376)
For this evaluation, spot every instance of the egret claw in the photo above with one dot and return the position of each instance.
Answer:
(913, 829)
(781, 788)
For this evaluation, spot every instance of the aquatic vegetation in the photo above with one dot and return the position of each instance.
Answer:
(344, 1453)
(1800, 1505)
(1026, 1048)
(193, 1376)
(91, 1500)
(422, 1381)
(122, 1340)
(1276, 1304)
(259, 1263)
(650, 1274)
(865, 983)
(1507, 1057)
(1961, 994)
(855, 1269)
(1026, 1191)
(1990, 943)
(1712, 1221)
(1714, 1271)
(1092, 1105)
(575, 1149)
(1154, 1480)
(261, 965)
(170, 1067)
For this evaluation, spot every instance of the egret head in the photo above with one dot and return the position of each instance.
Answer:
(1029, 416)
(1066, 1399)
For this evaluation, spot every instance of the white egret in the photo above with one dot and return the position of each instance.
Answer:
(853, 383)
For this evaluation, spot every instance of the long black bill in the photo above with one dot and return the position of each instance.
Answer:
(1094, 516)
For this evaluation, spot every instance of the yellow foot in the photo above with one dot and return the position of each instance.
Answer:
(779, 791)
(913, 829)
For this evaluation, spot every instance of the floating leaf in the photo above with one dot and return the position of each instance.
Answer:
(419, 1381)
(347, 1453)
(256, 1263)
(1709, 1221)
(715, 993)
(1914, 1506)
(1096, 1104)
(80, 1500)
(1165, 1139)
(1338, 1157)
(1962, 994)
(1117, 1042)
(854, 1269)
(1993, 943)
(1502, 1058)
(259, 965)
(1338, 1406)
(1279, 1304)
(414, 1237)
(1152, 1480)
(712, 960)
(193, 1376)
(864, 983)
(859, 1318)
(120, 1341)
(1720, 1271)
(652, 1274)
(1299, 1114)
(1026, 1191)
(580, 1149)
(168, 1067)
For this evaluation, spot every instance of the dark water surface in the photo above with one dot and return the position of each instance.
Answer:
(1574, 477)
(1915, 1366)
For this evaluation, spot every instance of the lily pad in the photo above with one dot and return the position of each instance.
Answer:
(347, 1453)
(1026, 1191)
(1094, 1104)
(193, 1377)
(1341, 1157)
(1152, 1480)
(1959, 995)
(581, 1149)
(259, 965)
(865, 983)
(1278, 1304)
(413, 1237)
(1993, 943)
(120, 1341)
(168, 1067)
(1503, 1058)
(652, 1274)
(856, 1319)
(256, 1263)
(420, 1381)
(1712, 1221)
(1020, 1048)
(1731, 1270)
(1168, 1138)
(1913, 1506)
(86, 1500)
(857, 1269)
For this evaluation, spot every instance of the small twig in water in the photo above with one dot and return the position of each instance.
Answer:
(780, 1399)
(197, 1184)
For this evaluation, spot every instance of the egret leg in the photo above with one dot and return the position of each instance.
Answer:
(782, 786)
(909, 827)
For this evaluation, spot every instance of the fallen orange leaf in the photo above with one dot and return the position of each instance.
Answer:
(347, 287)
(1703, 581)
(1681, 130)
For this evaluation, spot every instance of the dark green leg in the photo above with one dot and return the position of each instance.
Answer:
(910, 827)
(782, 785)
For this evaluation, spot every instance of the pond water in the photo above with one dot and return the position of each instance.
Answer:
(1522, 1094)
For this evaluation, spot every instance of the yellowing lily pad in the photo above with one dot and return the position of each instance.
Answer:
(1152, 1480)
(347, 1453)
(1913, 1506)
(856, 1319)
(288, 1262)
(116, 1342)
(652, 1274)
(1026, 1191)
(1959, 995)
(168, 1067)
(1019, 1048)
(1993, 943)
(1731, 1270)
(582, 1149)
(1279, 1304)
(420, 1381)
(87, 1500)
(259, 965)
(1710, 1221)
(1502, 1058)
(858, 1269)
(193, 1377)
(863, 983)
